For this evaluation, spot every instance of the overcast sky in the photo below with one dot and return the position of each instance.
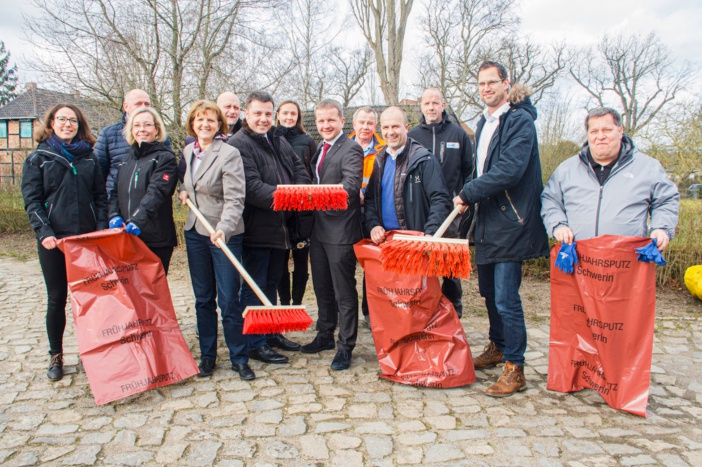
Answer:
(582, 22)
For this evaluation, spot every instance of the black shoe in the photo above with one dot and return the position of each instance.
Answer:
(267, 355)
(317, 345)
(55, 371)
(244, 370)
(342, 360)
(206, 367)
(280, 342)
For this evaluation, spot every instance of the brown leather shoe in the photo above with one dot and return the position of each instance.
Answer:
(491, 356)
(511, 381)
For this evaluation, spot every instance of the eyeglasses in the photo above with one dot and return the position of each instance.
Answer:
(489, 84)
(64, 120)
(146, 126)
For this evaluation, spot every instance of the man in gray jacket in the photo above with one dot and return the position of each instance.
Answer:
(609, 188)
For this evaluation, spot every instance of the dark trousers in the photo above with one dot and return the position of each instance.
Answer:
(451, 288)
(299, 276)
(164, 253)
(265, 266)
(333, 277)
(499, 284)
(216, 280)
(53, 267)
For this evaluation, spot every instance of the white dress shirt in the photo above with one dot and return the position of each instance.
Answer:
(491, 124)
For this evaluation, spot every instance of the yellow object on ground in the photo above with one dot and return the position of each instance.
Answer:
(693, 280)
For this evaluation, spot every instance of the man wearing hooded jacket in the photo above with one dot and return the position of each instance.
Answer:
(406, 190)
(505, 191)
(610, 187)
(451, 146)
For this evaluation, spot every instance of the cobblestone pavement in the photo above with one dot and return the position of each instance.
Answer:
(303, 413)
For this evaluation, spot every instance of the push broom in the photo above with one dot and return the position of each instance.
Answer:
(265, 319)
(428, 256)
(310, 198)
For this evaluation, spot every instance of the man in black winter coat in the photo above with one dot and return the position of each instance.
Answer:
(506, 191)
(406, 190)
(451, 146)
(269, 161)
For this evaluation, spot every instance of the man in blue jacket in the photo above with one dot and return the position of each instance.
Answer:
(111, 147)
(505, 190)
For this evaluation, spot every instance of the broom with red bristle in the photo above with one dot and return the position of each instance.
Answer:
(265, 319)
(310, 198)
(428, 256)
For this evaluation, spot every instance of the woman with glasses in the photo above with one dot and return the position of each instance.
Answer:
(142, 196)
(64, 194)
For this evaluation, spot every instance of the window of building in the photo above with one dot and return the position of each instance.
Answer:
(3, 128)
(26, 129)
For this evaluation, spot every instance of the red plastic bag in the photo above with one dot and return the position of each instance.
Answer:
(128, 335)
(602, 320)
(418, 336)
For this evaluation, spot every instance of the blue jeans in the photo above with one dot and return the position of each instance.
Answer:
(265, 266)
(499, 284)
(214, 276)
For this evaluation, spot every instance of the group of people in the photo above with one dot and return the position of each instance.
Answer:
(398, 179)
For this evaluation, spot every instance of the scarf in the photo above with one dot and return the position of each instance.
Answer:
(197, 151)
(70, 150)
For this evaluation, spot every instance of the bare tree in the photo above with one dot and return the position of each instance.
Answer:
(675, 140)
(635, 73)
(383, 23)
(535, 65)
(460, 35)
(171, 48)
(349, 73)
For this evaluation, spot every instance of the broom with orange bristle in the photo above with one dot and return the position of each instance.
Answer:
(310, 198)
(428, 256)
(265, 319)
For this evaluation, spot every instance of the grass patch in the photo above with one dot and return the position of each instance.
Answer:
(684, 251)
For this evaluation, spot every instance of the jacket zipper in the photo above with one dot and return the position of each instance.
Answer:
(286, 236)
(614, 170)
(433, 140)
(135, 176)
(441, 152)
(51, 207)
(597, 216)
(509, 198)
(93, 211)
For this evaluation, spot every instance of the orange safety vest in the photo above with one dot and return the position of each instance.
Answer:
(369, 160)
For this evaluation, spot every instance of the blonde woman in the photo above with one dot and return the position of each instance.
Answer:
(142, 196)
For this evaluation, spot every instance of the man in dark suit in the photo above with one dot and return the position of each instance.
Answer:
(338, 159)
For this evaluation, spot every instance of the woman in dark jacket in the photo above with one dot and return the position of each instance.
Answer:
(289, 123)
(64, 194)
(142, 195)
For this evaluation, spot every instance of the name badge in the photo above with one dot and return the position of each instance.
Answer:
(453, 145)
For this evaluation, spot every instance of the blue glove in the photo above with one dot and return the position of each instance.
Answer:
(133, 229)
(567, 258)
(650, 253)
(116, 222)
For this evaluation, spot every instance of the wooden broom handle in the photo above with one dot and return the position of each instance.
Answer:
(444, 227)
(249, 280)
